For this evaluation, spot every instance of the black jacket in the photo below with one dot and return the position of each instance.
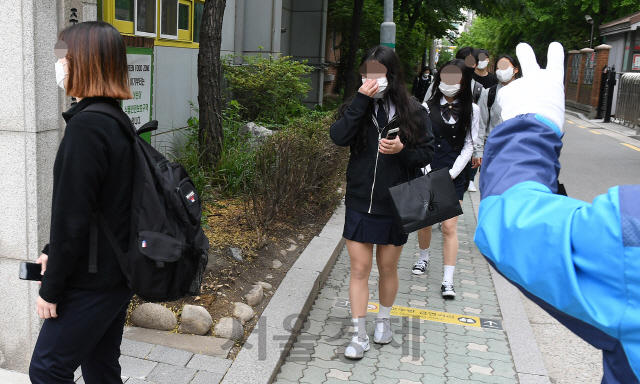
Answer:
(93, 168)
(370, 174)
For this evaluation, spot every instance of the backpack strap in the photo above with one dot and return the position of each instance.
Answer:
(477, 91)
(491, 99)
(492, 96)
(97, 219)
(115, 113)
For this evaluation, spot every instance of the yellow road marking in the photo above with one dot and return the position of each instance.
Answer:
(569, 121)
(440, 317)
(631, 146)
(596, 132)
(580, 126)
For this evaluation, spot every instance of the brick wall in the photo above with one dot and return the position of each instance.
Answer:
(581, 96)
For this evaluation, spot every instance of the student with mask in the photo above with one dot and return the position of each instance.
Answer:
(85, 312)
(507, 70)
(466, 54)
(421, 83)
(377, 163)
(481, 73)
(454, 119)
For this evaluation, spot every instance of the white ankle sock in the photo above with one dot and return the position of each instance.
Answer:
(448, 273)
(384, 312)
(360, 326)
(424, 254)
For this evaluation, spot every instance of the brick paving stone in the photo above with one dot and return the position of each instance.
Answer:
(135, 348)
(171, 374)
(477, 347)
(170, 356)
(398, 374)
(204, 377)
(433, 379)
(479, 378)
(134, 367)
(504, 357)
(480, 369)
(291, 371)
(457, 370)
(405, 381)
(209, 363)
(314, 375)
(504, 369)
(338, 374)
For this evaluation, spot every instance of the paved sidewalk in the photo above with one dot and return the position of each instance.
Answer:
(423, 351)
(144, 363)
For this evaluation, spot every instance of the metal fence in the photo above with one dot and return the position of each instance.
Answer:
(628, 109)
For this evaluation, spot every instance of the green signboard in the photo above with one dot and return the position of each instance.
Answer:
(140, 62)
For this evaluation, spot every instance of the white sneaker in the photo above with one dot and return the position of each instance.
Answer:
(472, 188)
(382, 333)
(357, 347)
(420, 267)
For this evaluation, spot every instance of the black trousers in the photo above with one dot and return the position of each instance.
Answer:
(87, 333)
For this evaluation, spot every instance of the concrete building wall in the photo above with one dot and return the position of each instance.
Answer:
(29, 136)
(308, 34)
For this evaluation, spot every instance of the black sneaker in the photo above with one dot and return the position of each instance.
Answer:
(448, 291)
(420, 267)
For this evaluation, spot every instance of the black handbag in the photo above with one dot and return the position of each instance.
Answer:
(425, 201)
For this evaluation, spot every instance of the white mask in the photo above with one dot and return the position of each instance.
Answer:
(483, 64)
(449, 90)
(504, 75)
(60, 74)
(382, 86)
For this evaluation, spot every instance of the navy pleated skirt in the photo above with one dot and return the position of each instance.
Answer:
(375, 229)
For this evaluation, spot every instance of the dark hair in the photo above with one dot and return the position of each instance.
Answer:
(97, 61)
(424, 69)
(478, 51)
(514, 62)
(464, 96)
(407, 109)
(464, 52)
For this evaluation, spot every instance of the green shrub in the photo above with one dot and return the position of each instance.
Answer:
(268, 89)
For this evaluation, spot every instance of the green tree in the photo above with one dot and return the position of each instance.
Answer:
(541, 22)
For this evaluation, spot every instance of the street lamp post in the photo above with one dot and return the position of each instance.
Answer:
(388, 27)
(590, 21)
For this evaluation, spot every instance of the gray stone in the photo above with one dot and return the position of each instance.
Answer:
(276, 264)
(254, 297)
(195, 320)
(291, 241)
(154, 316)
(283, 252)
(264, 285)
(243, 312)
(229, 328)
(212, 346)
(269, 276)
(235, 253)
(292, 248)
(300, 237)
(256, 132)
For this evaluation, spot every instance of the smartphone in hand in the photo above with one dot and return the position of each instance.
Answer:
(393, 133)
(30, 271)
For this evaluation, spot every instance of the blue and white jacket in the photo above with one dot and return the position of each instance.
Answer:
(578, 261)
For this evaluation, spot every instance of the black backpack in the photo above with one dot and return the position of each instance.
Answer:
(168, 250)
(491, 98)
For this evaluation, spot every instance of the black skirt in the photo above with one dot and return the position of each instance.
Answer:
(375, 229)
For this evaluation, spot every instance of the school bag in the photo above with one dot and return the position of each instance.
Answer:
(168, 250)
(491, 98)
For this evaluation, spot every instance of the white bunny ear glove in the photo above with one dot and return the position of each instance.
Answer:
(538, 91)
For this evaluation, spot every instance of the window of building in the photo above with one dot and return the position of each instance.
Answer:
(169, 19)
(184, 20)
(198, 9)
(146, 18)
(124, 10)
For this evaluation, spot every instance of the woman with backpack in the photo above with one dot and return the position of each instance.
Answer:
(454, 119)
(421, 84)
(85, 310)
(507, 69)
(378, 161)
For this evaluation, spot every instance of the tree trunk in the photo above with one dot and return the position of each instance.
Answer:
(210, 132)
(350, 80)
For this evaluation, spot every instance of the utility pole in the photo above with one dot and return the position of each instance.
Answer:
(388, 27)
